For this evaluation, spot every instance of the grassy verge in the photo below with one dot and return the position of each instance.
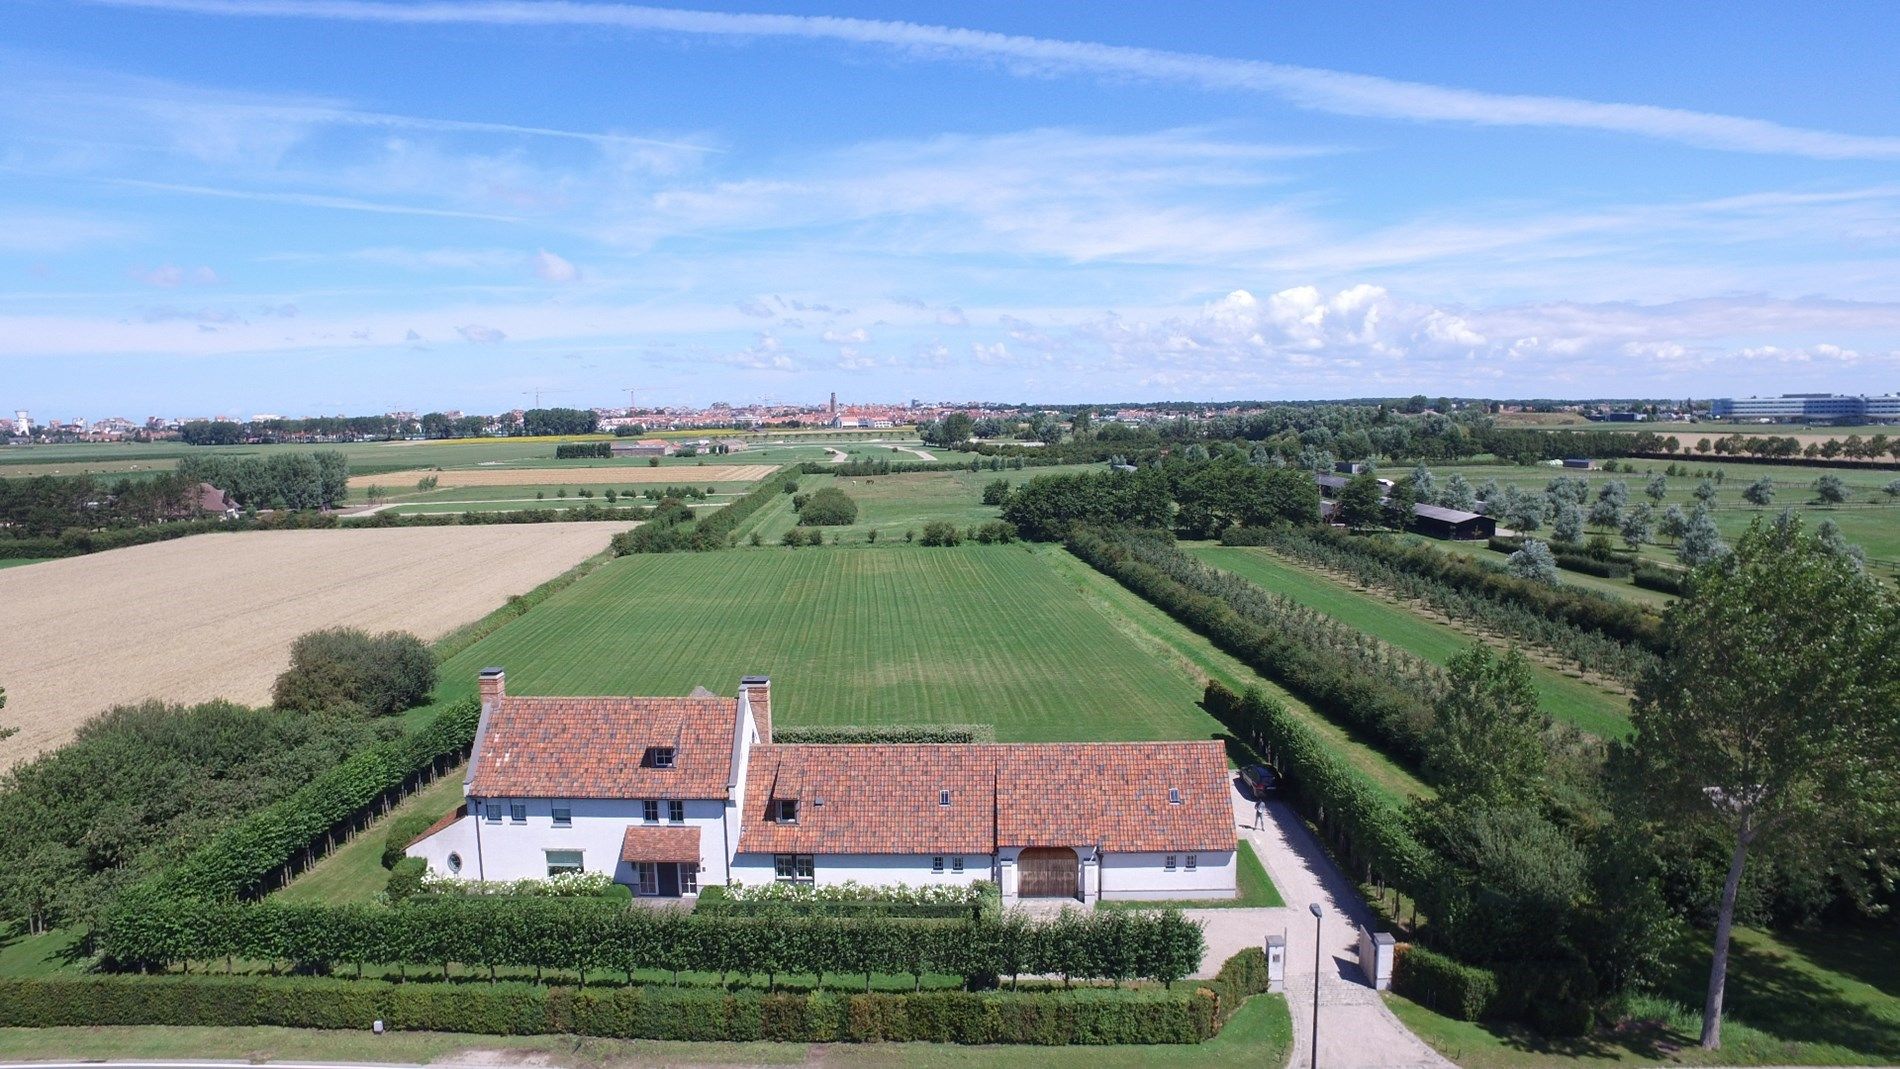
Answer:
(1592, 708)
(354, 872)
(1829, 996)
(1255, 886)
(1261, 1033)
(40, 955)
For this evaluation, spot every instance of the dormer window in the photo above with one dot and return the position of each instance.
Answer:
(659, 757)
(943, 798)
(1174, 796)
(784, 811)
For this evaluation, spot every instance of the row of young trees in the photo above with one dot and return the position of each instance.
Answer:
(496, 932)
(1597, 633)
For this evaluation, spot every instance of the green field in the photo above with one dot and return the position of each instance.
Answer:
(15, 562)
(849, 636)
(1592, 708)
(894, 504)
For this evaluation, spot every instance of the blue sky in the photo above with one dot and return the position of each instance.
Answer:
(299, 206)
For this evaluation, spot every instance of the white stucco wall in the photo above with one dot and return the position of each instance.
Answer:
(506, 850)
(1145, 876)
(910, 869)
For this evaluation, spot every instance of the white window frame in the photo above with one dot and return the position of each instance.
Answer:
(649, 811)
(1167, 865)
(664, 756)
(807, 872)
(689, 878)
(560, 808)
(491, 812)
(579, 865)
(647, 877)
(675, 811)
(517, 812)
(781, 807)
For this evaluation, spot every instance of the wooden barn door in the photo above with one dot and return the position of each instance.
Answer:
(1047, 872)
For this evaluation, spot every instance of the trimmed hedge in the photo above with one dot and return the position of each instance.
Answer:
(1045, 1018)
(713, 901)
(1658, 577)
(1372, 827)
(1463, 992)
(496, 931)
(710, 532)
(248, 857)
(584, 451)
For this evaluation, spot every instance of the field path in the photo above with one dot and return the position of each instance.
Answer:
(213, 616)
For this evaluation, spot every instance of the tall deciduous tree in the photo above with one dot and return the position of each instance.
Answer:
(1772, 715)
(1486, 741)
(1359, 502)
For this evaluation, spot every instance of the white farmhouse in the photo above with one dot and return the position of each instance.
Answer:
(671, 794)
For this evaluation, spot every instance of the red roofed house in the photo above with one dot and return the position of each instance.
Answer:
(670, 794)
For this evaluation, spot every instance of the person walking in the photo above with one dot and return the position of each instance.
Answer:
(1259, 815)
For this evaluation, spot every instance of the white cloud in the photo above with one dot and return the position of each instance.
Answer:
(478, 334)
(549, 267)
(171, 276)
(854, 336)
(992, 354)
(1337, 92)
(952, 317)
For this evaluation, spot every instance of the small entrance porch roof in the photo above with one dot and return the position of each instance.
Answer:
(641, 843)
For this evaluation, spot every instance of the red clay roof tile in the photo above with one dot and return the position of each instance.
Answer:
(594, 748)
(641, 843)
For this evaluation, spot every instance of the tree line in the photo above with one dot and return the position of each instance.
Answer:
(313, 480)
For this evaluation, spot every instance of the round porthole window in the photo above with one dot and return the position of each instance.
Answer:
(455, 862)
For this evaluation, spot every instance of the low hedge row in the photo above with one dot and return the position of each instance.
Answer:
(584, 451)
(241, 860)
(713, 901)
(1046, 1018)
(1657, 577)
(498, 931)
(713, 531)
(1572, 556)
(1464, 992)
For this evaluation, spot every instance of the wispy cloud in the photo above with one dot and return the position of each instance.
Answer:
(1337, 92)
(305, 200)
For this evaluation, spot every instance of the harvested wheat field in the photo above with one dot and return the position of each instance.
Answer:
(213, 616)
(675, 475)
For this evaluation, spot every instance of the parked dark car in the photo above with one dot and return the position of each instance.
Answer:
(1259, 780)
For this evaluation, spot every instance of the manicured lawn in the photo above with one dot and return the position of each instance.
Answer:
(354, 872)
(1591, 708)
(15, 562)
(39, 955)
(1830, 996)
(850, 635)
(1261, 1033)
(1256, 890)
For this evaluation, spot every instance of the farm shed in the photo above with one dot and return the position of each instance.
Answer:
(1455, 524)
(645, 447)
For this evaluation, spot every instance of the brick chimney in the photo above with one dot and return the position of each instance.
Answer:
(758, 692)
(494, 688)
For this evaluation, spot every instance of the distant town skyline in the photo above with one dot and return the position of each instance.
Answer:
(224, 207)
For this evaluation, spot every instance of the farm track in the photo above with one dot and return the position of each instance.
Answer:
(213, 616)
(596, 476)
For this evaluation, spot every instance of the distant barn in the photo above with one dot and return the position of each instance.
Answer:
(1455, 524)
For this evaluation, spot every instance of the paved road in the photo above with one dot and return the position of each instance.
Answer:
(1356, 1029)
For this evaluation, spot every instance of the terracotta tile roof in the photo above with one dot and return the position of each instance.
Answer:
(884, 799)
(1115, 794)
(878, 799)
(759, 693)
(594, 748)
(641, 843)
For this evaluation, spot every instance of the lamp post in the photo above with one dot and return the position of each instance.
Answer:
(1318, 913)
